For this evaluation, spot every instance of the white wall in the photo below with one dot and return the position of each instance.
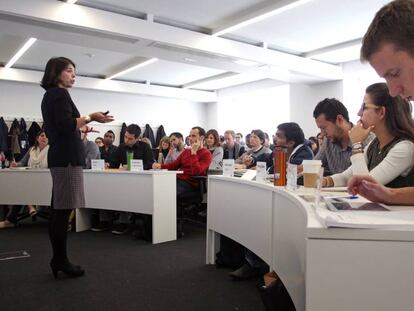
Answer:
(357, 77)
(23, 100)
(249, 107)
(304, 98)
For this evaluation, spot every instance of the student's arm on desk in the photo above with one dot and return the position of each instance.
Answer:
(199, 165)
(174, 165)
(369, 188)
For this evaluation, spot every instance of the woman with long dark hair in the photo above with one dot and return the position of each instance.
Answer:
(213, 145)
(62, 121)
(389, 158)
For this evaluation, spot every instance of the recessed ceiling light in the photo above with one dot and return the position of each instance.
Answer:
(20, 52)
(90, 55)
(245, 62)
(71, 1)
(140, 65)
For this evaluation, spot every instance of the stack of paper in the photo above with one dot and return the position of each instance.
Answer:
(398, 220)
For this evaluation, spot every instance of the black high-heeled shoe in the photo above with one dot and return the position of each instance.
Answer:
(70, 270)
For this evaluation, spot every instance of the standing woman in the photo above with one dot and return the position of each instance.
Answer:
(66, 156)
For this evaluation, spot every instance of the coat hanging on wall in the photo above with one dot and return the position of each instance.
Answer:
(32, 132)
(23, 138)
(160, 134)
(148, 133)
(3, 135)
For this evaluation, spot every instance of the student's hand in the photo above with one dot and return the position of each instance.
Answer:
(369, 188)
(86, 129)
(101, 117)
(195, 146)
(107, 165)
(156, 166)
(13, 163)
(247, 160)
(171, 151)
(358, 134)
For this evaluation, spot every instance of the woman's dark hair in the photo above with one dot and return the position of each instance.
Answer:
(398, 118)
(260, 134)
(292, 132)
(54, 68)
(216, 137)
(36, 144)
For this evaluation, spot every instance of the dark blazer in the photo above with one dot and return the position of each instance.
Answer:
(59, 117)
(238, 150)
(303, 153)
(142, 151)
(107, 155)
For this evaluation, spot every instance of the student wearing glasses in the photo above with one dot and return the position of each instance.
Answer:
(389, 158)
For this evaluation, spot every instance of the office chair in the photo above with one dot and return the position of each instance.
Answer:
(190, 204)
(41, 213)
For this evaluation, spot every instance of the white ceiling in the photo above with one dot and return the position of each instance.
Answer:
(304, 44)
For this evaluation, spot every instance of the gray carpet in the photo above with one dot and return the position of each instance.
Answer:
(121, 274)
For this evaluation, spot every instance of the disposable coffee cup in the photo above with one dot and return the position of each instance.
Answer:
(311, 172)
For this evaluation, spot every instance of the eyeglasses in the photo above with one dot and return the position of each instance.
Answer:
(366, 106)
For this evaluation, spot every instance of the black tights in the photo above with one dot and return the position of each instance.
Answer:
(58, 233)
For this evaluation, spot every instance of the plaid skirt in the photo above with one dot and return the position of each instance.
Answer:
(67, 192)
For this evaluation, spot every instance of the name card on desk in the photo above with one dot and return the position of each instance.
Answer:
(228, 167)
(98, 165)
(137, 166)
(261, 171)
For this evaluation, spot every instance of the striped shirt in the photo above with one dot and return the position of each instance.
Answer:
(334, 158)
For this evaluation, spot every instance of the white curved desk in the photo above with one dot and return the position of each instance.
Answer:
(147, 192)
(323, 269)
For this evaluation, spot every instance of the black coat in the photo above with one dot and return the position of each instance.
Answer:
(148, 133)
(59, 117)
(142, 151)
(160, 134)
(32, 132)
(3, 135)
(122, 134)
(23, 138)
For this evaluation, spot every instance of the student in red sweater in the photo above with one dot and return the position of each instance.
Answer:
(193, 161)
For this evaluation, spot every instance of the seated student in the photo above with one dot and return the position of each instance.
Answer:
(331, 116)
(213, 145)
(231, 148)
(257, 139)
(99, 141)
(239, 139)
(193, 161)
(314, 144)
(291, 136)
(108, 149)
(91, 149)
(176, 147)
(35, 157)
(163, 149)
(288, 135)
(389, 158)
(139, 151)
